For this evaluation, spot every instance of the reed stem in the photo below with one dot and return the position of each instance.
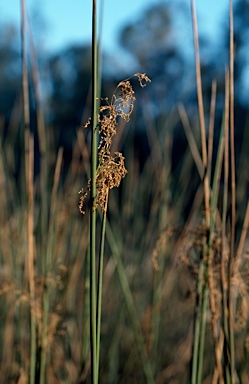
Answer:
(29, 168)
(100, 279)
(93, 303)
(233, 200)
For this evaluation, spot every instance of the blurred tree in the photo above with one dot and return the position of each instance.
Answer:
(156, 42)
(241, 59)
(10, 72)
(241, 38)
(70, 73)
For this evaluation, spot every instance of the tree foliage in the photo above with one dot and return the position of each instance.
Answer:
(10, 71)
(155, 44)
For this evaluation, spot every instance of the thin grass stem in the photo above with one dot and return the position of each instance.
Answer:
(100, 279)
(211, 129)
(243, 235)
(48, 263)
(223, 230)
(130, 306)
(191, 140)
(208, 250)
(206, 188)
(86, 316)
(202, 328)
(29, 168)
(197, 324)
(43, 160)
(201, 116)
(93, 314)
(31, 247)
(233, 198)
(210, 272)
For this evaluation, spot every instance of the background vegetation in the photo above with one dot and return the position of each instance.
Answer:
(175, 271)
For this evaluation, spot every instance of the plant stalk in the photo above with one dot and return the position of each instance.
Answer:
(93, 310)
(100, 279)
(29, 169)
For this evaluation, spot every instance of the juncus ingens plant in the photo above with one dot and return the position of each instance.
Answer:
(110, 170)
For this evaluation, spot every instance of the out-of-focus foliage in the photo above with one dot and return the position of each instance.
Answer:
(10, 71)
(160, 43)
(70, 90)
(70, 72)
(155, 42)
(241, 38)
(70, 76)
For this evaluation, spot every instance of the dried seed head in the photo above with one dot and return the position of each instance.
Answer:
(110, 173)
(142, 77)
(111, 168)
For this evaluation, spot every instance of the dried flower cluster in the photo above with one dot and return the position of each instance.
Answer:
(189, 253)
(111, 168)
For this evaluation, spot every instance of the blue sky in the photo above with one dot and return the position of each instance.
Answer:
(68, 21)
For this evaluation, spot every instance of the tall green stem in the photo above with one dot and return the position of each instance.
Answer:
(94, 370)
(100, 279)
(233, 200)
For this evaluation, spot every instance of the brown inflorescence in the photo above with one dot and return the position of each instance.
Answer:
(111, 167)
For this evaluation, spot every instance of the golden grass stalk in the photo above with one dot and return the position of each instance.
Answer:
(49, 266)
(201, 117)
(200, 320)
(43, 160)
(224, 276)
(29, 168)
(210, 269)
(191, 140)
(31, 247)
(211, 128)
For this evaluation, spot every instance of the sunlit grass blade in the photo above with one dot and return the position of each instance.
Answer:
(49, 267)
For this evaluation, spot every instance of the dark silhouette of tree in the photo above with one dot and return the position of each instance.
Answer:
(241, 38)
(70, 93)
(220, 56)
(10, 72)
(70, 74)
(156, 44)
